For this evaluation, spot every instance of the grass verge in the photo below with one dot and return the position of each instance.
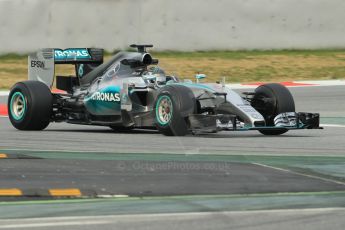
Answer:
(235, 66)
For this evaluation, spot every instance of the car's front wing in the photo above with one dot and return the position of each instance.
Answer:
(214, 123)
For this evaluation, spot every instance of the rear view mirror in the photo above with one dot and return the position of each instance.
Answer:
(199, 76)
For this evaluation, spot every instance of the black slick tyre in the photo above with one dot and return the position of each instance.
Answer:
(280, 101)
(172, 107)
(30, 105)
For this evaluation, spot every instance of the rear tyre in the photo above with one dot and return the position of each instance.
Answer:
(172, 107)
(280, 101)
(30, 105)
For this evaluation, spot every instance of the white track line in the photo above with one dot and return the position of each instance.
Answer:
(112, 196)
(111, 219)
(299, 84)
(332, 125)
(301, 174)
(65, 223)
(4, 93)
(323, 82)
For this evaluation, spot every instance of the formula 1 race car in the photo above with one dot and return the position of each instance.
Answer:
(131, 91)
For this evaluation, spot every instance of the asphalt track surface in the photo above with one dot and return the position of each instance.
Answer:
(155, 178)
(329, 101)
(150, 178)
(142, 177)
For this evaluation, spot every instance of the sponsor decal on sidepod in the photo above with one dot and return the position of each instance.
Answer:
(98, 96)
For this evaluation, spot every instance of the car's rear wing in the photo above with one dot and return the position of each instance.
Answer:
(78, 56)
(41, 65)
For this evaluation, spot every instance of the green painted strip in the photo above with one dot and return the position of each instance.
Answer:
(181, 204)
(193, 197)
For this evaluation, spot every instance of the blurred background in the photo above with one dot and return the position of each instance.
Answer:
(296, 181)
(239, 40)
(27, 25)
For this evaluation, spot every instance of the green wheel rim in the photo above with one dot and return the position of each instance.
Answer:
(164, 110)
(18, 106)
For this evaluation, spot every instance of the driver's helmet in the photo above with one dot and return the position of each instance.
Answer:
(159, 74)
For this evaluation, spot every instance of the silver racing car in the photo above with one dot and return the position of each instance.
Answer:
(132, 91)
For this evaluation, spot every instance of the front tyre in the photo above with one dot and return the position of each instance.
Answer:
(173, 105)
(271, 100)
(30, 105)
